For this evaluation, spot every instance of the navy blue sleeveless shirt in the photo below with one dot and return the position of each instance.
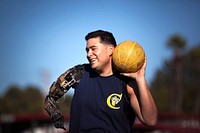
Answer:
(100, 105)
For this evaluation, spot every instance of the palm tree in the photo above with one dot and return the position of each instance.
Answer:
(177, 44)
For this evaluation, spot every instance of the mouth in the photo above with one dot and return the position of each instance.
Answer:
(92, 61)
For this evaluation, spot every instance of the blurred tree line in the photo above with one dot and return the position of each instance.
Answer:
(176, 86)
(18, 100)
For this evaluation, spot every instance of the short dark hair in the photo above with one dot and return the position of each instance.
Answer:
(105, 37)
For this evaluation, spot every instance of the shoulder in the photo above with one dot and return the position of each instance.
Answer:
(90, 71)
(81, 67)
(122, 78)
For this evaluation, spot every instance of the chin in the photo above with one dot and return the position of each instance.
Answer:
(94, 66)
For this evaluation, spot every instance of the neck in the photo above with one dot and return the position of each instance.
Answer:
(105, 74)
(106, 71)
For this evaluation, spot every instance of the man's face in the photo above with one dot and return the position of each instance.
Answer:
(98, 54)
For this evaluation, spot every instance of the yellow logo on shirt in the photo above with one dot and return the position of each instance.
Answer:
(113, 100)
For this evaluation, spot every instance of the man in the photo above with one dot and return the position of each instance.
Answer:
(104, 99)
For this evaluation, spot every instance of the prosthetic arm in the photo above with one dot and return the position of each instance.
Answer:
(64, 82)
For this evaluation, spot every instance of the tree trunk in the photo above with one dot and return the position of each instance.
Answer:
(177, 89)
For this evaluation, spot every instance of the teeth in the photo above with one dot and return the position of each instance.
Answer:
(92, 60)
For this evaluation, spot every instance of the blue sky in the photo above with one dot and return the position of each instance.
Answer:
(46, 37)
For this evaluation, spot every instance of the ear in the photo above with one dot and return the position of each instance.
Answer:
(111, 49)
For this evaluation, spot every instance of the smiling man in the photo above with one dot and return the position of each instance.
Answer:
(105, 100)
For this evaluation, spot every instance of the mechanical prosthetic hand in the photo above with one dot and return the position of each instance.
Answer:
(64, 82)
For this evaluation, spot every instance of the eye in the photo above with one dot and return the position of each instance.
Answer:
(93, 49)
